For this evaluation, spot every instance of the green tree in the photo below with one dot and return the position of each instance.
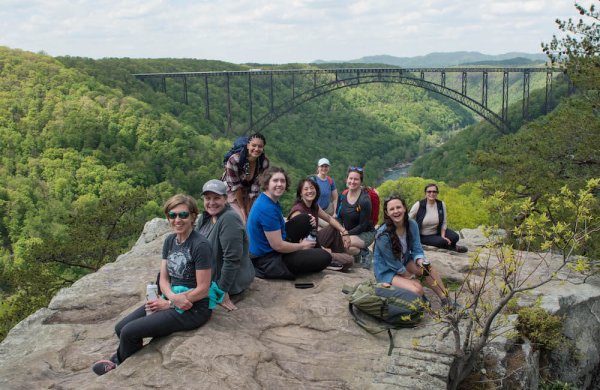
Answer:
(497, 273)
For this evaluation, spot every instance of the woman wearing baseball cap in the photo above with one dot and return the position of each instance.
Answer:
(225, 231)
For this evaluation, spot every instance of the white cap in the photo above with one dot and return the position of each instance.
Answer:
(323, 161)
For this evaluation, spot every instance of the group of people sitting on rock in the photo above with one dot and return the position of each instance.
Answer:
(242, 234)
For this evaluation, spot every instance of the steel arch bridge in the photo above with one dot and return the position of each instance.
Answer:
(306, 84)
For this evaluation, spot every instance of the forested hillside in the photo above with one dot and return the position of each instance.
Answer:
(89, 153)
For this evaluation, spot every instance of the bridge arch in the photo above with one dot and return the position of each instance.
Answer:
(325, 88)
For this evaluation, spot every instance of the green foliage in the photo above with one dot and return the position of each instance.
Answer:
(89, 153)
(465, 204)
(544, 330)
(499, 272)
(456, 161)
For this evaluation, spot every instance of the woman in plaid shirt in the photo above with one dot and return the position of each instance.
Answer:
(241, 174)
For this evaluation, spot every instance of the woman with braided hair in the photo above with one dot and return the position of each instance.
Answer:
(242, 170)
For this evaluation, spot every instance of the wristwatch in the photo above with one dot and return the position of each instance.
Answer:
(171, 305)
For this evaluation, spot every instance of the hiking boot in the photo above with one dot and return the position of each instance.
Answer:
(114, 358)
(335, 266)
(461, 249)
(101, 367)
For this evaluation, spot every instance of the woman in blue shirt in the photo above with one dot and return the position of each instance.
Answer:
(398, 253)
(275, 252)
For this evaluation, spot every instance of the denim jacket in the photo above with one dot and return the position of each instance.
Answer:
(386, 264)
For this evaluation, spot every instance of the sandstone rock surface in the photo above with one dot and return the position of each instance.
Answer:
(280, 337)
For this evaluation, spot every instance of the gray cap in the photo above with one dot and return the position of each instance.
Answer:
(216, 186)
(323, 161)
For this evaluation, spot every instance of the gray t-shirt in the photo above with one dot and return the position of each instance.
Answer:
(183, 260)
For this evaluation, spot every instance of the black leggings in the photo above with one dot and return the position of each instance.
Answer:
(132, 329)
(438, 241)
(305, 260)
(276, 265)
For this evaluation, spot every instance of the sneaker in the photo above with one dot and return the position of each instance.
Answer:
(114, 358)
(366, 258)
(101, 367)
(461, 249)
(335, 266)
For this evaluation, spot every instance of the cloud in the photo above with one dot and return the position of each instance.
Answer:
(277, 31)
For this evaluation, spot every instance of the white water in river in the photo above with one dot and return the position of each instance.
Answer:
(396, 173)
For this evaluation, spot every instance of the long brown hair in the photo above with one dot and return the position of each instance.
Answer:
(390, 228)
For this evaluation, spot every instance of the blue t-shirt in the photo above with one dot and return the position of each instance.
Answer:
(326, 190)
(265, 216)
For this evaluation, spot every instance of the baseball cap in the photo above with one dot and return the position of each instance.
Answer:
(216, 186)
(323, 161)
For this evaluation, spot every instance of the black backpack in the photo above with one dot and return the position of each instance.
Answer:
(386, 307)
(238, 145)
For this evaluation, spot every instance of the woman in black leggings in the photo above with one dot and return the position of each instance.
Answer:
(431, 216)
(185, 278)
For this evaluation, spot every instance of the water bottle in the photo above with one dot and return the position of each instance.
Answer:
(312, 236)
(151, 295)
(426, 264)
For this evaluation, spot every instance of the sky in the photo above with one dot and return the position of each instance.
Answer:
(279, 31)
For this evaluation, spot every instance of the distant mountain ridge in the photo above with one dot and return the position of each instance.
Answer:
(442, 59)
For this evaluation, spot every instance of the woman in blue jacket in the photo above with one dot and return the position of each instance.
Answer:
(398, 253)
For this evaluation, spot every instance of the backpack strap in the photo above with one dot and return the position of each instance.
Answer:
(373, 329)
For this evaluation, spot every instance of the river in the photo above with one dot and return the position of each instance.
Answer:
(396, 172)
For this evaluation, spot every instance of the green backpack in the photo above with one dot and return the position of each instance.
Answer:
(387, 307)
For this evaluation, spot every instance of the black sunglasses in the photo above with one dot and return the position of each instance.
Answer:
(432, 192)
(181, 214)
(355, 169)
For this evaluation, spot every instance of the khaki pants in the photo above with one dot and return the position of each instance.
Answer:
(329, 210)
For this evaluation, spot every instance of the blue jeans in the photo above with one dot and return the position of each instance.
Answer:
(132, 329)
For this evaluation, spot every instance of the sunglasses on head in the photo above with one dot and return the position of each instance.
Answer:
(355, 169)
(392, 197)
(181, 214)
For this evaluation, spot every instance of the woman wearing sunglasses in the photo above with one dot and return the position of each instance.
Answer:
(241, 174)
(431, 216)
(334, 237)
(354, 213)
(185, 277)
(222, 226)
(398, 254)
(278, 249)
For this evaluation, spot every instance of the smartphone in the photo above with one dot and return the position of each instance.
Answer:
(304, 285)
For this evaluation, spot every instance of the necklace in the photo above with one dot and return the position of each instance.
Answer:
(184, 240)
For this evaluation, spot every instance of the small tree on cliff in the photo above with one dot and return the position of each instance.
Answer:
(499, 272)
